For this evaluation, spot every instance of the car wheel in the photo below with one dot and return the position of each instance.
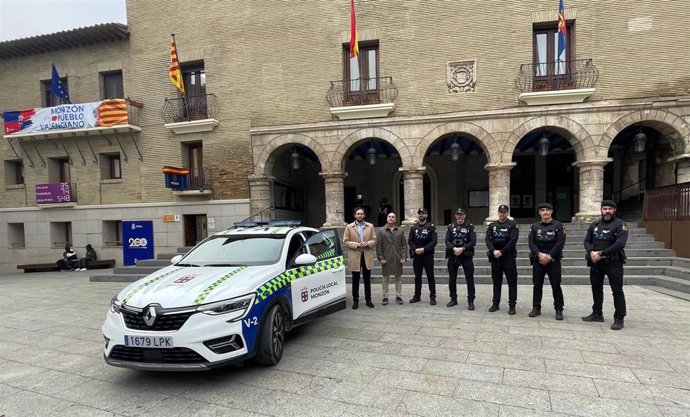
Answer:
(272, 338)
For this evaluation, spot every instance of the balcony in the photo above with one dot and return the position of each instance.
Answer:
(59, 194)
(190, 114)
(186, 182)
(557, 82)
(362, 98)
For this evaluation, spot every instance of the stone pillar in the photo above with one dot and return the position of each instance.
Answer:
(260, 195)
(499, 187)
(413, 184)
(335, 198)
(591, 189)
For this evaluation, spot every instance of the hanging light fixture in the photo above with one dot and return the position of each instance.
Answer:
(640, 141)
(543, 146)
(455, 151)
(371, 155)
(294, 159)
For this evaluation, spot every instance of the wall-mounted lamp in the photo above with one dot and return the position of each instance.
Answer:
(543, 146)
(455, 151)
(371, 155)
(640, 141)
(294, 159)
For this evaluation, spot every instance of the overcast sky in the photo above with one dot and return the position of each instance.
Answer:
(24, 18)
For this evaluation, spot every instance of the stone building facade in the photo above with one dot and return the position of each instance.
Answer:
(277, 82)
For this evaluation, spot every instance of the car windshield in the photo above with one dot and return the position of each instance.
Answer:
(236, 251)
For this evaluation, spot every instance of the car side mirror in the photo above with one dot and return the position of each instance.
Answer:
(175, 259)
(305, 259)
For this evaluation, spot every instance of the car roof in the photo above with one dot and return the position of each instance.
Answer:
(264, 230)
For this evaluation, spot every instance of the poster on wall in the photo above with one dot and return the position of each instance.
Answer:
(137, 241)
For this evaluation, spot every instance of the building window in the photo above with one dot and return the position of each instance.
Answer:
(15, 235)
(48, 99)
(14, 172)
(111, 167)
(195, 163)
(59, 170)
(545, 47)
(112, 85)
(194, 77)
(112, 232)
(287, 197)
(61, 234)
(361, 74)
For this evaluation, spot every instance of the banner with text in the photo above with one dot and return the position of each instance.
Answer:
(66, 117)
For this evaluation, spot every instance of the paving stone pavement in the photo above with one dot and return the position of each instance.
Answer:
(410, 360)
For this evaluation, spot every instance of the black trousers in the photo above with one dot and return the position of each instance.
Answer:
(553, 269)
(454, 263)
(425, 262)
(366, 274)
(614, 271)
(505, 264)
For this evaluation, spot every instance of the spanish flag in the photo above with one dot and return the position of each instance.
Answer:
(112, 112)
(354, 45)
(174, 72)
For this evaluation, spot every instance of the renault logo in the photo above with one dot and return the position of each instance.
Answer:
(150, 316)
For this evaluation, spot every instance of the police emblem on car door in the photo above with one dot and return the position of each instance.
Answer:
(321, 283)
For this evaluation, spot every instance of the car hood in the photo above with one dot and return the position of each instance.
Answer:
(175, 286)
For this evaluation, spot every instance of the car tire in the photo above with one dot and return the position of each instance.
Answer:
(272, 339)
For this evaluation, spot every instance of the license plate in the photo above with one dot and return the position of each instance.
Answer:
(155, 342)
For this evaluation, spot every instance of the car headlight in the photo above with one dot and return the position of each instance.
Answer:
(239, 306)
(115, 305)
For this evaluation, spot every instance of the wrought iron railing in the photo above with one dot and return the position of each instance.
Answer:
(557, 75)
(362, 91)
(667, 203)
(188, 108)
(200, 181)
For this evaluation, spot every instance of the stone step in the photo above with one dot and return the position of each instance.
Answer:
(116, 277)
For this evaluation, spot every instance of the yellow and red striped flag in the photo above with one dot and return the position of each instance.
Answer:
(112, 112)
(174, 71)
(354, 44)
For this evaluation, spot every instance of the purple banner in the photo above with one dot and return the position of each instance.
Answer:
(60, 192)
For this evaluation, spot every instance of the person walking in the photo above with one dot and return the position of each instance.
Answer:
(391, 251)
(360, 240)
(605, 246)
(422, 242)
(546, 240)
(501, 238)
(460, 242)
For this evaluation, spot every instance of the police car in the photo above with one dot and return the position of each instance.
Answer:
(232, 297)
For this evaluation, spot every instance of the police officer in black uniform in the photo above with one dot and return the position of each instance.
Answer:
(422, 242)
(546, 241)
(460, 242)
(501, 238)
(605, 244)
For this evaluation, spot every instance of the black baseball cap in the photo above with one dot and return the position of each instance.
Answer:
(609, 203)
(460, 211)
(546, 206)
(422, 210)
(503, 207)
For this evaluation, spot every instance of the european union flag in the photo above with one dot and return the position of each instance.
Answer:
(56, 87)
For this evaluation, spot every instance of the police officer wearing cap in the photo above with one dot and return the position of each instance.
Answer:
(460, 242)
(422, 241)
(605, 243)
(501, 238)
(546, 240)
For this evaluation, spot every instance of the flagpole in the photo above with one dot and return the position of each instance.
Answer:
(184, 94)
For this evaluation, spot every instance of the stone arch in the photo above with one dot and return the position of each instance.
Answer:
(672, 126)
(487, 142)
(576, 134)
(339, 157)
(263, 163)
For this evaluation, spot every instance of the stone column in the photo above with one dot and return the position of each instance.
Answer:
(335, 198)
(413, 184)
(260, 195)
(499, 187)
(591, 189)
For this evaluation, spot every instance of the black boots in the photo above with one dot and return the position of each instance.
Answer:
(593, 317)
(617, 324)
(559, 314)
(536, 311)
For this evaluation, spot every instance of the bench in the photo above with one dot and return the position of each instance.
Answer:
(98, 264)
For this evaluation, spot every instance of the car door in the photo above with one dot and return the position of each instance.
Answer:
(320, 288)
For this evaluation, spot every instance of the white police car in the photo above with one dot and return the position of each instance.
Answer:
(232, 297)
